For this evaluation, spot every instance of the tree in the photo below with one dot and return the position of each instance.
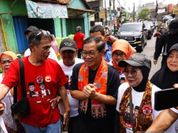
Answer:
(144, 14)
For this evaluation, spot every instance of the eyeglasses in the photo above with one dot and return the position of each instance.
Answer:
(89, 53)
(121, 54)
(5, 61)
(132, 72)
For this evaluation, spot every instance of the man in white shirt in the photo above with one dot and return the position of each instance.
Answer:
(68, 52)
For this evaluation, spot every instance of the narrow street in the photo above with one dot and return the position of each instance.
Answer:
(64, 47)
(149, 51)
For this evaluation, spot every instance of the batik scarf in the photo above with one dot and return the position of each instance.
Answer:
(98, 109)
(144, 116)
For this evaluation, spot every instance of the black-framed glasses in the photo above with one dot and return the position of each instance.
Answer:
(132, 71)
(89, 53)
(120, 54)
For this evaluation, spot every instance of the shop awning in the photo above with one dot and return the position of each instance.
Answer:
(63, 2)
(73, 12)
(45, 10)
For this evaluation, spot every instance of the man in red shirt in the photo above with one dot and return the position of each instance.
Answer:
(78, 38)
(44, 80)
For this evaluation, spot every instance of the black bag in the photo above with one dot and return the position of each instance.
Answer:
(20, 108)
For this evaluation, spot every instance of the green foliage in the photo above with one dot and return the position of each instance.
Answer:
(59, 39)
(144, 14)
(71, 36)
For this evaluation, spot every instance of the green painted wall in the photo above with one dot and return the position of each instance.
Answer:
(5, 6)
(86, 24)
(8, 27)
(18, 8)
(64, 31)
(58, 28)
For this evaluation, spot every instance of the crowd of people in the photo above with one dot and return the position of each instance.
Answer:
(100, 84)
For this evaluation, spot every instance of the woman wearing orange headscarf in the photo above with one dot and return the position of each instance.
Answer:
(5, 60)
(121, 50)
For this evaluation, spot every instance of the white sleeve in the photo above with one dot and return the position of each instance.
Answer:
(27, 52)
(155, 112)
(2, 125)
(52, 55)
(121, 91)
(174, 110)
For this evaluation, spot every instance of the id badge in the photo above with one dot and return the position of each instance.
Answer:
(129, 131)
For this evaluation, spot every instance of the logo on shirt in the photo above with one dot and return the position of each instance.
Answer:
(48, 78)
(39, 79)
(147, 110)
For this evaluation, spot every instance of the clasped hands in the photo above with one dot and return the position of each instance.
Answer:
(90, 90)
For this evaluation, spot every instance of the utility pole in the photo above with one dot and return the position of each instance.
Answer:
(156, 9)
(120, 9)
(110, 12)
(114, 5)
(105, 13)
(133, 11)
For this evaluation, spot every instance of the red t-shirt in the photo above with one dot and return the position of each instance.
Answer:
(42, 83)
(78, 38)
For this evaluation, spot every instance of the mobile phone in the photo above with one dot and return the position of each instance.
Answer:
(166, 98)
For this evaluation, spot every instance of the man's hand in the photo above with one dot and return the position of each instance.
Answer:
(155, 61)
(55, 101)
(157, 34)
(110, 38)
(66, 118)
(2, 107)
(89, 90)
(175, 85)
(63, 94)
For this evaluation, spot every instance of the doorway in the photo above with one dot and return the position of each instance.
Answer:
(20, 25)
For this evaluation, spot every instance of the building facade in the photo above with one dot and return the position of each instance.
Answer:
(14, 19)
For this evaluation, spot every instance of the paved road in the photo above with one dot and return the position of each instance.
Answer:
(149, 51)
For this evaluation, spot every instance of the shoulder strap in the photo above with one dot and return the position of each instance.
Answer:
(22, 82)
(22, 78)
(15, 94)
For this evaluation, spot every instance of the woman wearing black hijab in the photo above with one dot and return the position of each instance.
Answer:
(167, 76)
(135, 103)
